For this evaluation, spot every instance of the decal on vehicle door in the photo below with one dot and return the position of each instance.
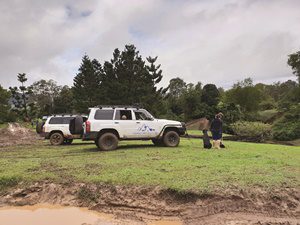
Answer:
(145, 128)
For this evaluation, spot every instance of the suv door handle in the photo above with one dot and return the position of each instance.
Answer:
(116, 122)
(138, 122)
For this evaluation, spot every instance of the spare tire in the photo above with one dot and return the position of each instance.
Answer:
(39, 127)
(75, 125)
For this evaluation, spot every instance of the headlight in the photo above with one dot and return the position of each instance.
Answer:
(183, 124)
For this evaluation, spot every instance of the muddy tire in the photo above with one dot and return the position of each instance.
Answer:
(157, 142)
(107, 142)
(56, 139)
(68, 141)
(96, 143)
(171, 139)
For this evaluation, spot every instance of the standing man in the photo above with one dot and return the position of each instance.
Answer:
(216, 130)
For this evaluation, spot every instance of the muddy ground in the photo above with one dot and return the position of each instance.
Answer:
(139, 204)
(14, 134)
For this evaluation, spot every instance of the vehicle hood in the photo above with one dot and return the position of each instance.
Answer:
(173, 122)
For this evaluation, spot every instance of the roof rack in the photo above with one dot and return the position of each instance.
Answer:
(65, 115)
(118, 106)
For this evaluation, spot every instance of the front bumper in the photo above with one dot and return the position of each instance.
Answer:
(182, 131)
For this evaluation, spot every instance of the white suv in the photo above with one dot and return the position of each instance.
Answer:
(56, 129)
(108, 124)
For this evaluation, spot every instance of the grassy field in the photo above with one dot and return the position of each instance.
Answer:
(188, 167)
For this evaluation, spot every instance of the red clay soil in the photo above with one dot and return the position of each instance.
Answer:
(253, 206)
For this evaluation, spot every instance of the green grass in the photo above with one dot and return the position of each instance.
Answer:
(187, 167)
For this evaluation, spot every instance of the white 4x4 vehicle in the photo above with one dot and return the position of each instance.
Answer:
(56, 128)
(108, 124)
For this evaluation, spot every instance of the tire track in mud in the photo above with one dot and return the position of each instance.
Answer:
(232, 206)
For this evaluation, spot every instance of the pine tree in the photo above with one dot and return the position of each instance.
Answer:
(87, 85)
(20, 96)
(128, 80)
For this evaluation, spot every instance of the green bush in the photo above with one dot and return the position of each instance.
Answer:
(267, 115)
(252, 131)
(288, 127)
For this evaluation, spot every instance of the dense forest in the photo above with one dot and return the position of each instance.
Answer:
(254, 110)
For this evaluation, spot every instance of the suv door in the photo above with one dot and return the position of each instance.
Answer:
(146, 127)
(126, 125)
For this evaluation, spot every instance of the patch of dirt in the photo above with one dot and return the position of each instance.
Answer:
(15, 134)
(253, 206)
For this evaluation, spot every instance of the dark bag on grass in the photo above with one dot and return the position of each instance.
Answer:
(206, 141)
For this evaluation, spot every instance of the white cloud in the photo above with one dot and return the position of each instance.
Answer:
(208, 41)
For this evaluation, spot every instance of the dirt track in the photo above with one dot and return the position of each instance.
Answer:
(141, 203)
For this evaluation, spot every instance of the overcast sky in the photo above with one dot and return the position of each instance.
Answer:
(212, 41)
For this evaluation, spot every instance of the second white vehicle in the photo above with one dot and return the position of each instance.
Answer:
(108, 125)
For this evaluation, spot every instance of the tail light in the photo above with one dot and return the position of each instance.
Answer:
(87, 126)
(43, 129)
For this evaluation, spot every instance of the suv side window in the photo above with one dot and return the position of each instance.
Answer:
(123, 115)
(56, 120)
(140, 115)
(66, 120)
(104, 114)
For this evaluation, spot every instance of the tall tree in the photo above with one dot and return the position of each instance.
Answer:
(294, 62)
(87, 85)
(176, 89)
(210, 95)
(43, 93)
(4, 105)
(63, 103)
(20, 96)
(132, 79)
(244, 94)
(192, 105)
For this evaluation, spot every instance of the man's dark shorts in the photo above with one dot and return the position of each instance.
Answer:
(216, 135)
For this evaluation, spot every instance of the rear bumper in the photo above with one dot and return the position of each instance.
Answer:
(89, 136)
(45, 135)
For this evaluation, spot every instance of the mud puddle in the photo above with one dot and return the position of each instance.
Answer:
(45, 214)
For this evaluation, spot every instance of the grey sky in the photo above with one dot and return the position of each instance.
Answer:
(212, 41)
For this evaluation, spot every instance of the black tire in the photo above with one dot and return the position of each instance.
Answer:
(68, 141)
(39, 127)
(171, 139)
(96, 143)
(107, 142)
(157, 142)
(56, 139)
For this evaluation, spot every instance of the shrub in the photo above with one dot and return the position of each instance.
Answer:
(252, 131)
(288, 127)
(267, 115)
